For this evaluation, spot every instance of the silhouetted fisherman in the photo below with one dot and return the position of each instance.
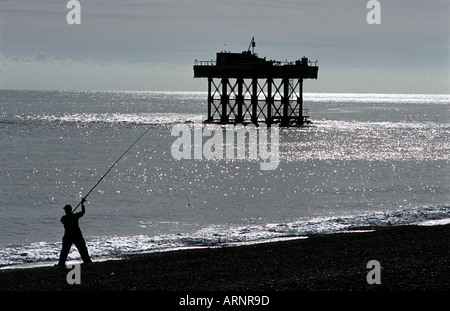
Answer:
(73, 235)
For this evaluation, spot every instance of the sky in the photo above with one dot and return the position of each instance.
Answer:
(151, 45)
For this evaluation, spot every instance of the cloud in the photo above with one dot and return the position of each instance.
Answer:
(130, 44)
(59, 73)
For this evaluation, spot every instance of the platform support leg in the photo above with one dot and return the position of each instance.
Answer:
(269, 102)
(224, 99)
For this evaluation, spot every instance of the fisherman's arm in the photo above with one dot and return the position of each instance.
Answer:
(83, 209)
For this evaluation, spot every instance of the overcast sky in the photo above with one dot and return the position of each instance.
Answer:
(151, 45)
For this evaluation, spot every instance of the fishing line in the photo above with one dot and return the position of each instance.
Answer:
(99, 181)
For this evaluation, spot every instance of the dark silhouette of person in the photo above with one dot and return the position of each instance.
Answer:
(73, 235)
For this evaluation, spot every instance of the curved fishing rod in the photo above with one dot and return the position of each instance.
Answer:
(99, 181)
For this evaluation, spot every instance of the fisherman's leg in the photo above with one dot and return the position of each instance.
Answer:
(80, 243)
(66, 245)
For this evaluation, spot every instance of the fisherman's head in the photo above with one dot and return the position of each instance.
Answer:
(68, 209)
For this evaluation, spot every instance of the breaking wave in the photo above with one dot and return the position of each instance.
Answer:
(134, 118)
(104, 248)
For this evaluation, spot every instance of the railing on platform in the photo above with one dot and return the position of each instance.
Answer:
(274, 63)
(282, 63)
(204, 63)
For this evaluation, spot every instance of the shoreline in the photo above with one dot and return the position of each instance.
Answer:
(412, 258)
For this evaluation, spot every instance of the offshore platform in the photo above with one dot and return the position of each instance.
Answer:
(244, 88)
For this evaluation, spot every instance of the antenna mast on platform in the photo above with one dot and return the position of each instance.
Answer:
(252, 46)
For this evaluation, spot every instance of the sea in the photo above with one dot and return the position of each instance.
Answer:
(366, 160)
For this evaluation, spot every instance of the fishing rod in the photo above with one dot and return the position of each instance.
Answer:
(99, 181)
